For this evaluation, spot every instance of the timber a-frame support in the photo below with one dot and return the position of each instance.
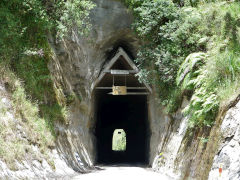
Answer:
(121, 55)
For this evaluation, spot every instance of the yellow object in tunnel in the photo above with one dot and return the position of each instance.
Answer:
(119, 90)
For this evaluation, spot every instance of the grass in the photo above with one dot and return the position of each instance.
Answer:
(36, 102)
(11, 148)
(39, 86)
(15, 146)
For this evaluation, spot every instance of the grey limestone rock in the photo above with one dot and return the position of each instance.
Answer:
(229, 152)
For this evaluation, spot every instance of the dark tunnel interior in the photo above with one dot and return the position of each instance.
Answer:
(128, 112)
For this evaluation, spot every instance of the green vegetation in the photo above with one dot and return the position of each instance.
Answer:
(24, 56)
(171, 34)
(119, 140)
(191, 48)
(26, 120)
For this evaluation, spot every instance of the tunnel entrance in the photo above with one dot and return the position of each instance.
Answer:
(127, 111)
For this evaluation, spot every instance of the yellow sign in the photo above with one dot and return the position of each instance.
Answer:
(119, 90)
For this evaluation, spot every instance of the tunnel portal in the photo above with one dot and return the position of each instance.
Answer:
(128, 112)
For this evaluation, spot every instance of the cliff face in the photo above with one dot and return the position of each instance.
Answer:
(77, 64)
(172, 148)
(22, 154)
(228, 152)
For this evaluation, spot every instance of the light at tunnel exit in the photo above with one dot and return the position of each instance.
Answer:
(119, 140)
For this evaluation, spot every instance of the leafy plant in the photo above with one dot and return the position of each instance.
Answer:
(24, 58)
(193, 50)
(170, 34)
(216, 81)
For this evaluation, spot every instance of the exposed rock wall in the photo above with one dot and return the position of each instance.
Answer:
(78, 62)
(228, 154)
(76, 65)
(37, 169)
(159, 123)
(168, 141)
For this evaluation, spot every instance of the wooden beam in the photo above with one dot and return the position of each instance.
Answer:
(144, 88)
(118, 71)
(133, 93)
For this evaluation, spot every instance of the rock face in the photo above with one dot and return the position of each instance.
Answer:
(38, 170)
(77, 64)
(31, 167)
(229, 151)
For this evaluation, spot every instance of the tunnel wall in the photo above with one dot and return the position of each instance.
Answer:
(76, 65)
